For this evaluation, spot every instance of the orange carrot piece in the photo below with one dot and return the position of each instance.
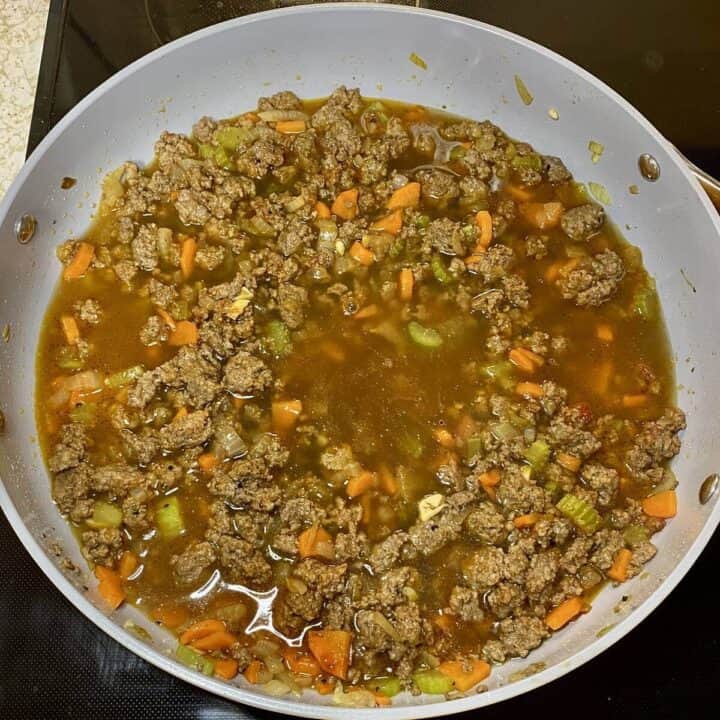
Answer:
(619, 569)
(443, 437)
(382, 700)
(542, 215)
(180, 414)
(483, 220)
(569, 462)
(519, 193)
(331, 648)
(465, 427)
(603, 375)
(360, 253)
(346, 204)
(367, 312)
(463, 678)
(322, 210)
(324, 686)
(70, 329)
(201, 629)
(254, 671)
(128, 564)
(221, 640)
(406, 282)
(405, 197)
(290, 127)
(366, 505)
(529, 389)
(475, 257)
(250, 117)
(166, 317)
(634, 401)
(208, 461)
(526, 521)
(521, 360)
(333, 350)
(187, 255)
(553, 271)
(489, 479)
(391, 223)
(285, 414)
(78, 266)
(170, 617)
(300, 662)
(185, 333)
(660, 505)
(388, 483)
(564, 613)
(316, 541)
(361, 484)
(604, 333)
(445, 622)
(110, 586)
(226, 668)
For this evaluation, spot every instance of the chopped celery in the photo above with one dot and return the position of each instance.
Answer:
(229, 137)
(397, 247)
(422, 221)
(84, 413)
(537, 455)
(553, 487)
(440, 271)
(278, 338)
(216, 153)
(378, 108)
(409, 443)
(168, 518)
(532, 161)
(257, 225)
(458, 152)
(433, 682)
(501, 372)
(387, 686)
(635, 535)
(473, 447)
(124, 377)
(503, 431)
(196, 661)
(105, 515)
(68, 359)
(425, 337)
(582, 513)
(644, 303)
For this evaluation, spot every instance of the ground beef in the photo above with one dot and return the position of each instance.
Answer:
(567, 433)
(504, 598)
(154, 331)
(427, 537)
(102, 547)
(70, 491)
(292, 302)
(284, 100)
(542, 572)
(582, 222)
(161, 294)
(518, 496)
(144, 248)
(89, 311)
(210, 257)
(603, 480)
(190, 373)
(517, 636)
(246, 374)
(594, 280)
(446, 236)
(243, 562)
(484, 568)
(555, 170)
(438, 188)
(536, 247)
(493, 264)
(386, 553)
(486, 525)
(190, 565)
(190, 430)
(70, 449)
(656, 442)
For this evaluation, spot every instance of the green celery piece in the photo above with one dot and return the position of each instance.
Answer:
(422, 221)
(387, 686)
(168, 518)
(425, 337)
(229, 137)
(216, 153)
(644, 303)
(278, 338)
(584, 515)
(635, 535)
(474, 447)
(409, 443)
(433, 682)
(552, 487)
(84, 413)
(532, 161)
(124, 377)
(196, 661)
(105, 515)
(502, 372)
(538, 455)
(440, 271)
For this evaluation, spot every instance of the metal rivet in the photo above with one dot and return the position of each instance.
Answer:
(709, 487)
(25, 227)
(649, 167)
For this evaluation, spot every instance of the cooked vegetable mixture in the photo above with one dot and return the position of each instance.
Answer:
(356, 396)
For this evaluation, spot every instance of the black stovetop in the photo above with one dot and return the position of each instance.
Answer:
(664, 57)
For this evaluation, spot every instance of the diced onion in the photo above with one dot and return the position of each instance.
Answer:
(276, 688)
(278, 115)
(356, 698)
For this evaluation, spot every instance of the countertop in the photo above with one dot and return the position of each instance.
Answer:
(22, 27)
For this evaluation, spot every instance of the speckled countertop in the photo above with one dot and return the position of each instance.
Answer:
(22, 27)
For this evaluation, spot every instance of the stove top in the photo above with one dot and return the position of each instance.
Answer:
(664, 57)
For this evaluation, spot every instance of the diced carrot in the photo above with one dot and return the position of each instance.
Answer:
(366, 505)
(180, 414)
(346, 204)
(604, 333)
(388, 483)
(619, 569)
(324, 686)
(360, 253)
(331, 648)
(316, 541)
(70, 329)
(416, 113)
(445, 621)
(187, 255)
(660, 505)
(464, 677)
(526, 521)
(290, 127)
(166, 317)
(553, 272)
(254, 671)
(367, 312)
(634, 401)
(170, 617)
(333, 350)
(519, 193)
(202, 629)
(564, 613)
(391, 223)
(483, 220)
(406, 282)
(603, 375)
(208, 461)
(489, 479)
(221, 640)
(405, 197)
(322, 210)
(185, 333)
(361, 484)
(529, 389)
(110, 586)
(250, 117)
(78, 266)
(524, 359)
(569, 462)
(238, 403)
(226, 668)
(300, 662)
(444, 437)
(285, 414)
(465, 427)
(128, 564)
(382, 700)
(542, 215)
(475, 257)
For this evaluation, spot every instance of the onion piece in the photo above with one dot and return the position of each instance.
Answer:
(278, 115)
